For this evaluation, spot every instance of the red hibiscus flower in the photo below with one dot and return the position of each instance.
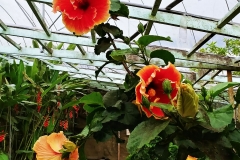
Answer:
(151, 87)
(80, 16)
(2, 136)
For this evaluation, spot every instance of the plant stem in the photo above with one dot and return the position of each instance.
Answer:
(124, 63)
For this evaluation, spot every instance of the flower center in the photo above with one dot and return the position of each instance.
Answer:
(151, 92)
(83, 4)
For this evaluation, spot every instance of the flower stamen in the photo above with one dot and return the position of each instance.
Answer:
(151, 92)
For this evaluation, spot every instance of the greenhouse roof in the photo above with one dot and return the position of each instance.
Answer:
(189, 23)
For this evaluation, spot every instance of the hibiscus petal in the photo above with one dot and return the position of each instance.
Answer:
(102, 7)
(157, 112)
(74, 155)
(67, 8)
(80, 26)
(56, 141)
(139, 100)
(147, 73)
(44, 150)
(169, 72)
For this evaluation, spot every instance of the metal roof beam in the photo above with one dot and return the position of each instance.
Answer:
(191, 22)
(198, 60)
(154, 12)
(39, 17)
(49, 50)
(212, 77)
(221, 23)
(11, 41)
(2, 25)
(202, 76)
(4, 28)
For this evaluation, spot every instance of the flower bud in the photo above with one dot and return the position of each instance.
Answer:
(167, 87)
(69, 146)
(140, 28)
(187, 101)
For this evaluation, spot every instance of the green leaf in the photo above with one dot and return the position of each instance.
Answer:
(54, 84)
(165, 55)
(144, 133)
(100, 69)
(71, 47)
(115, 5)
(34, 69)
(147, 39)
(221, 117)
(23, 151)
(111, 98)
(163, 106)
(3, 156)
(123, 52)
(20, 74)
(123, 11)
(35, 44)
(92, 98)
(81, 152)
(110, 116)
(216, 90)
(131, 114)
(145, 102)
(130, 82)
(59, 46)
(50, 45)
(90, 108)
(102, 45)
(70, 104)
(115, 31)
(51, 125)
(99, 30)
(237, 96)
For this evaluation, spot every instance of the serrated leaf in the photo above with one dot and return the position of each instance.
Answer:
(165, 55)
(144, 133)
(123, 11)
(99, 30)
(115, 5)
(102, 45)
(114, 30)
(221, 117)
(147, 39)
(131, 114)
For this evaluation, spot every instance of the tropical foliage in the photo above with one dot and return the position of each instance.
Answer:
(167, 119)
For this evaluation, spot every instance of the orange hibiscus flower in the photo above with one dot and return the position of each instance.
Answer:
(80, 16)
(151, 87)
(191, 158)
(48, 147)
